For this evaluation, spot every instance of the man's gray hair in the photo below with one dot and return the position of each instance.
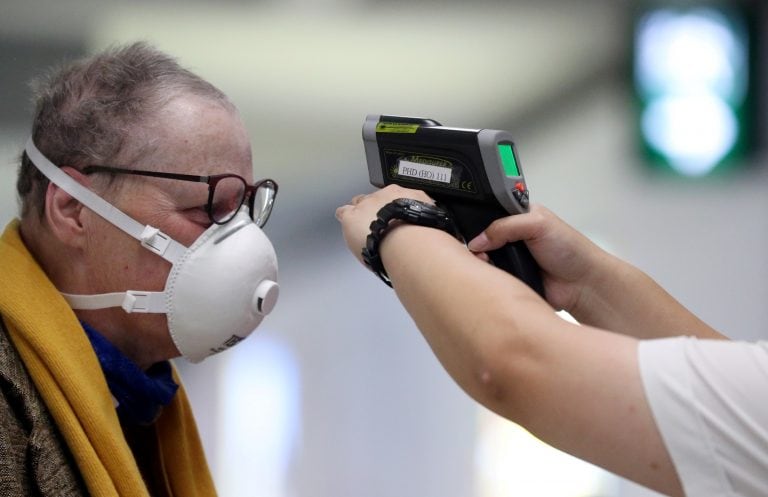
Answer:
(91, 111)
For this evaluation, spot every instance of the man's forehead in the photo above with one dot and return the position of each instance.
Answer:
(197, 136)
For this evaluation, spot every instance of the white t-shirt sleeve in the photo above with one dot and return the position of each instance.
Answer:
(710, 402)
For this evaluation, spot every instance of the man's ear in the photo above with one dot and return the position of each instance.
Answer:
(63, 212)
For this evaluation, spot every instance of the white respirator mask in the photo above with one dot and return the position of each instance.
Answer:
(218, 290)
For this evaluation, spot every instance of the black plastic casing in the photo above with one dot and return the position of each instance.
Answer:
(462, 170)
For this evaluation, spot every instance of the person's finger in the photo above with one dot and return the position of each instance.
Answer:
(341, 211)
(482, 256)
(509, 229)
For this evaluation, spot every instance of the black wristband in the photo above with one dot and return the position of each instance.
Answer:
(409, 211)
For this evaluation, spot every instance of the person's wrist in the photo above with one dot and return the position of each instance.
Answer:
(391, 217)
(399, 232)
(599, 287)
(397, 247)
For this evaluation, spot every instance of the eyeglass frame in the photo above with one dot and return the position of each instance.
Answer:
(211, 181)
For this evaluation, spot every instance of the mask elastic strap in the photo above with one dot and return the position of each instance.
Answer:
(150, 237)
(130, 301)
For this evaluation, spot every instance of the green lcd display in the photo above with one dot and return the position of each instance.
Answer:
(508, 160)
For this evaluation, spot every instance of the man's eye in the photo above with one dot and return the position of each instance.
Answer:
(221, 210)
(198, 215)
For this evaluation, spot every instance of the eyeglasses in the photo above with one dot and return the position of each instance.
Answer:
(226, 192)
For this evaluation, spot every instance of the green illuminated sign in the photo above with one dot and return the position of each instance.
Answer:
(693, 84)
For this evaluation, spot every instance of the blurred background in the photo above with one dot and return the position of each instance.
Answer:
(638, 123)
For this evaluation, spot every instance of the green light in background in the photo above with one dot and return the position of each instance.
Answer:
(691, 75)
(508, 159)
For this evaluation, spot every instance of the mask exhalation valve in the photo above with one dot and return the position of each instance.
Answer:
(265, 297)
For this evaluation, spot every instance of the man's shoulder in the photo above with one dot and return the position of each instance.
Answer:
(15, 379)
(33, 452)
(20, 403)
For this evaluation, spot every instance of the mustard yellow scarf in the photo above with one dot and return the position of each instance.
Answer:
(66, 372)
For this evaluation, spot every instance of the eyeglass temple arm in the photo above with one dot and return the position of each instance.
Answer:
(149, 236)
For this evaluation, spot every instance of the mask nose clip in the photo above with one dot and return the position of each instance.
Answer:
(265, 297)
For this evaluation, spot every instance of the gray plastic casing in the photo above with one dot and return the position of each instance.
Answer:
(372, 157)
(502, 185)
(488, 140)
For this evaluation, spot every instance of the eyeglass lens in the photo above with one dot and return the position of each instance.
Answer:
(262, 200)
(228, 195)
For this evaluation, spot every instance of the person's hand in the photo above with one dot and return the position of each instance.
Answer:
(356, 217)
(567, 258)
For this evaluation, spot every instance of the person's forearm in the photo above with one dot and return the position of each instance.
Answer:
(467, 309)
(575, 387)
(622, 298)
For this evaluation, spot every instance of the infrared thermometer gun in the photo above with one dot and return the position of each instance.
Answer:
(474, 173)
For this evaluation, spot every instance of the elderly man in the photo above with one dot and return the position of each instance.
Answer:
(139, 241)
